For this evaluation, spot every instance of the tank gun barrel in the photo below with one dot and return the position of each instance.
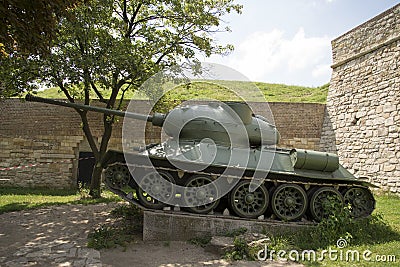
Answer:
(157, 119)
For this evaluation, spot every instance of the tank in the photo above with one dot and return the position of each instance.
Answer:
(220, 156)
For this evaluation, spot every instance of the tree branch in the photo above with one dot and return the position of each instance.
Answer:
(131, 23)
(124, 13)
(100, 96)
(122, 96)
(65, 91)
(86, 87)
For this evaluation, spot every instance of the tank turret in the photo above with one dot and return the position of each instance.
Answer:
(217, 121)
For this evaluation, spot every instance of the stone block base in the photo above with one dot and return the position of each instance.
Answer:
(176, 226)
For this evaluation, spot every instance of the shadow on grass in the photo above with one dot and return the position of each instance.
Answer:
(18, 206)
(37, 191)
(17, 199)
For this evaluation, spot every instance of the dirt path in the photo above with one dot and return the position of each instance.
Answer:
(57, 236)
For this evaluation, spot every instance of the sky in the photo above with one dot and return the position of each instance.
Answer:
(289, 41)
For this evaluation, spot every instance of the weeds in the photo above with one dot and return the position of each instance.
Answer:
(129, 221)
(128, 212)
(236, 232)
(200, 241)
(108, 237)
(240, 251)
(83, 191)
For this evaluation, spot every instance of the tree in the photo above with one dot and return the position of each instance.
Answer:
(116, 45)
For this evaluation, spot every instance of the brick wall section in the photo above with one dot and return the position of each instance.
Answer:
(51, 136)
(299, 124)
(363, 106)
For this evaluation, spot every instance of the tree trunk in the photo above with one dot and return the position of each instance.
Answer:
(96, 181)
(95, 190)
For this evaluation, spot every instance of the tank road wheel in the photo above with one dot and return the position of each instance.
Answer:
(117, 176)
(325, 201)
(248, 204)
(361, 201)
(197, 197)
(152, 189)
(289, 202)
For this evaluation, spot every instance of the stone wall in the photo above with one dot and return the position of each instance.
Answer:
(51, 138)
(362, 117)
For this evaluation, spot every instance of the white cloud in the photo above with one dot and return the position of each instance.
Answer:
(323, 70)
(272, 57)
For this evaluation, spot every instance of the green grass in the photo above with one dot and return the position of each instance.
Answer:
(379, 234)
(15, 199)
(290, 93)
(219, 91)
(385, 244)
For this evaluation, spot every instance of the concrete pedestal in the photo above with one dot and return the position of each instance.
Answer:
(174, 226)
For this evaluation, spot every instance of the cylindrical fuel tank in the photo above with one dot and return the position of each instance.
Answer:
(314, 160)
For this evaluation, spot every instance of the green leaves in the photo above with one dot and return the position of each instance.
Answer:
(115, 43)
(30, 26)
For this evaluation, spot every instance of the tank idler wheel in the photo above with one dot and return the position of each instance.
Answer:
(248, 204)
(324, 201)
(361, 201)
(202, 199)
(117, 176)
(289, 202)
(156, 189)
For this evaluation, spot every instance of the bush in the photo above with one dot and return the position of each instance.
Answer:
(341, 225)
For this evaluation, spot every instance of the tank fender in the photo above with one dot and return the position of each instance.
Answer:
(314, 160)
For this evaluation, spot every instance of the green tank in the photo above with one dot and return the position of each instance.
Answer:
(221, 156)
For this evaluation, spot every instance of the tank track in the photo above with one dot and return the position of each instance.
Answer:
(285, 198)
